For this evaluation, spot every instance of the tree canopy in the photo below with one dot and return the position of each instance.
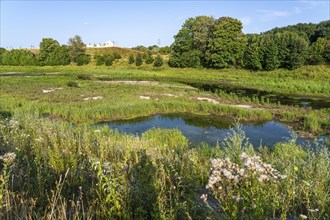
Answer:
(204, 41)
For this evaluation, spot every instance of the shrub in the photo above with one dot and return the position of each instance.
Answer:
(159, 61)
(116, 56)
(99, 60)
(131, 59)
(19, 58)
(83, 59)
(138, 61)
(108, 60)
(149, 59)
(73, 84)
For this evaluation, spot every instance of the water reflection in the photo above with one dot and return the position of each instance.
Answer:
(207, 129)
(274, 98)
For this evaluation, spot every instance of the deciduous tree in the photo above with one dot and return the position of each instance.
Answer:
(77, 48)
(227, 43)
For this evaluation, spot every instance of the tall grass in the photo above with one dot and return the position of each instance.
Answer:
(65, 172)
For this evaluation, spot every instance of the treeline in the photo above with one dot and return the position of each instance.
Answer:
(204, 41)
(51, 53)
(154, 49)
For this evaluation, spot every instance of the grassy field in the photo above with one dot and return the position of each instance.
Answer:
(52, 169)
(306, 81)
(24, 89)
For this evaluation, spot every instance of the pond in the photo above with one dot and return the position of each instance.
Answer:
(304, 102)
(207, 129)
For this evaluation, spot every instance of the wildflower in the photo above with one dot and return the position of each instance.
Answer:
(295, 169)
(204, 197)
(303, 216)
(263, 178)
(8, 158)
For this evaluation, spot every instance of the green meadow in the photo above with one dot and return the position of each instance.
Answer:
(56, 166)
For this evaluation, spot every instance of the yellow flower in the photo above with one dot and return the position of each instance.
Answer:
(295, 169)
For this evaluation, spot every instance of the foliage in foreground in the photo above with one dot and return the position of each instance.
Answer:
(52, 170)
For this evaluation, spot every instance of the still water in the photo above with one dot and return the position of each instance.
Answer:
(207, 129)
(304, 102)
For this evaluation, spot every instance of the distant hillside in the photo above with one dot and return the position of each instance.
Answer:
(124, 52)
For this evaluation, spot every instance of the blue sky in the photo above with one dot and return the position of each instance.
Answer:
(132, 23)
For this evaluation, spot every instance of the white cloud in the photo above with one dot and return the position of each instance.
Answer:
(85, 23)
(272, 13)
(313, 4)
(246, 20)
(266, 15)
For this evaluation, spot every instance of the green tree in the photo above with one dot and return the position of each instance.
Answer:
(77, 49)
(322, 30)
(153, 48)
(47, 48)
(252, 57)
(190, 43)
(227, 43)
(292, 49)
(303, 29)
(269, 51)
(140, 47)
(138, 60)
(131, 59)
(60, 56)
(326, 54)
(316, 52)
(165, 50)
(158, 61)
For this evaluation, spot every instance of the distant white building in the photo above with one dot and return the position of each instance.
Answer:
(106, 44)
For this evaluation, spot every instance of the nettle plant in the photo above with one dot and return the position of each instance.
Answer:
(248, 188)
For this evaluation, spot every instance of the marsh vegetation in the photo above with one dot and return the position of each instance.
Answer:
(64, 153)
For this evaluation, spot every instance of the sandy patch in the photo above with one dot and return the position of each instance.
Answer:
(50, 90)
(207, 100)
(145, 83)
(93, 98)
(144, 97)
(171, 95)
(244, 106)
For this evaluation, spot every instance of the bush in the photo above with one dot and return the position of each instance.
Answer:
(116, 56)
(83, 59)
(99, 60)
(85, 77)
(149, 58)
(2, 51)
(19, 58)
(108, 60)
(73, 84)
(159, 61)
(138, 61)
(131, 59)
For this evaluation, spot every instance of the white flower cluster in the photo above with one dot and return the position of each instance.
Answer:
(264, 171)
(224, 172)
(8, 158)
